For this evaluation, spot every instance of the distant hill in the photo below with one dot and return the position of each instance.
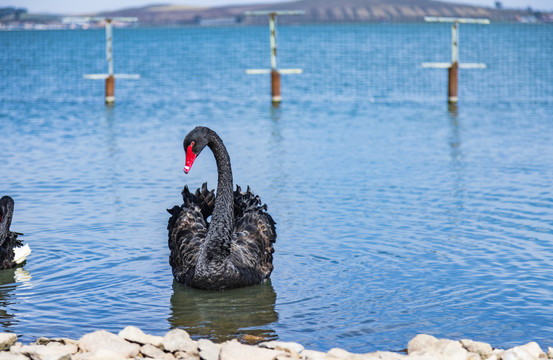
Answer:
(318, 11)
(13, 14)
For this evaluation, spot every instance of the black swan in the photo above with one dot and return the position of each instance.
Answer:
(235, 248)
(12, 250)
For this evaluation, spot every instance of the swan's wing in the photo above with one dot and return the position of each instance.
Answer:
(7, 250)
(254, 235)
(187, 229)
(20, 254)
(203, 198)
(252, 246)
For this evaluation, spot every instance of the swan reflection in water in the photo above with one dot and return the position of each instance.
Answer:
(244, 313)
(10, 279)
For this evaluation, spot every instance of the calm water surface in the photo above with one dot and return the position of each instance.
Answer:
(394, 218)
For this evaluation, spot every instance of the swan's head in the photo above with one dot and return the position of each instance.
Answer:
(193, 144)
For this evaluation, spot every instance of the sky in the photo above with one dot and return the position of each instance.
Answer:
(86, 7)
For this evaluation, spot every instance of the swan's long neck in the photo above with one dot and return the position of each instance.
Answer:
(5, 222)
(220, 231)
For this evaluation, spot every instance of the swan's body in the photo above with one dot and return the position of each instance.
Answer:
(232, 250)
(12, 250)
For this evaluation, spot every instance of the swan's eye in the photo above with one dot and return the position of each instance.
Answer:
(192, 144)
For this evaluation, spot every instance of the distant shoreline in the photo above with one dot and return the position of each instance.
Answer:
(37, 26)
(332, 12)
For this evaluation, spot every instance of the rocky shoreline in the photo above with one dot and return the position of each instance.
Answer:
(133, 343)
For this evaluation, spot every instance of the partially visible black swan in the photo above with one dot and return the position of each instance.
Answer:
(12, 250)
(235, 248)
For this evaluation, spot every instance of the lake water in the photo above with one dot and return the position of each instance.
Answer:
(396, 214)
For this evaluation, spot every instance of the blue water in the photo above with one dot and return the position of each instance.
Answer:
(396, 214)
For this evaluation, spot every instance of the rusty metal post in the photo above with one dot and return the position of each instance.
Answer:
(275, 86)
(110, 89)
(453, 82)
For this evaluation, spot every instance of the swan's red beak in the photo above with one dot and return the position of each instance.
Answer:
(190, 158)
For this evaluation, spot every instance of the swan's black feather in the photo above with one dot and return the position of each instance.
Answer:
(254, 233)
(187, 229)
(6, 250)
(251, 249)
(8, 239)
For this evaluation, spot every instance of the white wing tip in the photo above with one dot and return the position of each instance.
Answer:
(21, 253)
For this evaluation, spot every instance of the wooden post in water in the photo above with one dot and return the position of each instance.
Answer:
(276, 96)
(453, 67)
(110, 76)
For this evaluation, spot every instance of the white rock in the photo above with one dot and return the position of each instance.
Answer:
(379, 355)
(291, 347)
(420, 343)
(509, 355)
(111, 343)
(178, 339)
(63, 341)
(134, 334)
(550, 352)
(368, 356)
(71, 348)
(181, 355)
(286, 356)
(485, 350)
(152, 351)
(388, 355)
(100, 354)
(43, 352)
(312, 355)
(429, 346)
(339, 353)
(7, 340)
(208, 350)
(530, 351)
(6, 355)
(16, 347)
(533, 349)
(233, 350)
(451, 350)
